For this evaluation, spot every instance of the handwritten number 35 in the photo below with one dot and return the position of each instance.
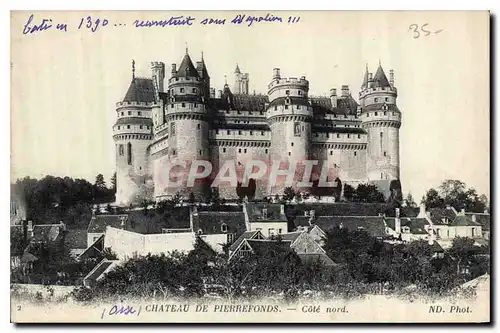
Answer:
(416, 32)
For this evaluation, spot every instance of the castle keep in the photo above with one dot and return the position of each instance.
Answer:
(183, 118)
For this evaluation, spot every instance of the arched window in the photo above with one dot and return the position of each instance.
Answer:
(223, 227)
(129, 153)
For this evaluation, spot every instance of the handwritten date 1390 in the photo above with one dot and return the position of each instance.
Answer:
(91, 23)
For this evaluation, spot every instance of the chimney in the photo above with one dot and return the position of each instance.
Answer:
(219, 93)
(192, 212)
(397, 222)
(306, 213)
(345, 91)
(282, 210)
(212, 93)
(63, 226)
(276, 74)
(312, 213)
(30, 229)
(462, 211)
(370, 77)
(174, 69)
(431, 240)
(485, 211)
(422, 213)
(391, 77)
(333, 97)
(247, 220)
(473, 217)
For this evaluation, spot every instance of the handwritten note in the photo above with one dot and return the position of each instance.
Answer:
(34, 25)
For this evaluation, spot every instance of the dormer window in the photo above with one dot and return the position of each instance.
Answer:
(223, 227)
(264, 213)
(200, 232)
(182, 90)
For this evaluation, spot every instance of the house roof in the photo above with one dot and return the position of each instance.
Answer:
(462, 220)
(274, 213)
(440, 215)
(291, 236)
(47, 232)
(345, 105)
(340, 209)
(212, 222)
(436, 247)
(302, 221)
(140, 90)
(269, 248)
(481, 218)
(245, 235)
(374, 225)
(98, 223)
(321, 258)
(247, 102)
(96, 248)
(76, 239)
(100, 269)
(416, 225)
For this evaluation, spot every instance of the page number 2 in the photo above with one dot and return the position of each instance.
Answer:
(18, 308)
(422, 30)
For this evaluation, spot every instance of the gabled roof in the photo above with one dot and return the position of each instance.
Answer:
(99, 271)
(76, 239)
(140, 90)
(380, 79)
(48, 232)
(212, 222)
(374, 225)
(98, 223)
(321, 258)
(269, 248)
(93, 250)
(245, 235)
(186, 68)
(481, 218)
(256, 212)
(437, 215)
(291, 236)
(462, 220)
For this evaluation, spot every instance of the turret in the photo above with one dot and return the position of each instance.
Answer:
(381, 119)
(345, 91)
(289, 115)
(132, 133)
(158, 74)
(333, 97)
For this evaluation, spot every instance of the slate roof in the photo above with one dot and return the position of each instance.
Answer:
(302, 221)
(340, 209)
(186, 68)
(255, 212)
(47, 232)
(380, 79)
(98, 223)
(438, 214)
(140, 90)
(245, 235)
(291, 236)
(99, 270)
(416, 225)
(76, 239)
(211, 222)
(323, 259)
(345, 105)
(94, 250)
(461, 220)
(374, 225)
(247, 102)
(269, 248)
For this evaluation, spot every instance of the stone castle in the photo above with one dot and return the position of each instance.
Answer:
(184, 118)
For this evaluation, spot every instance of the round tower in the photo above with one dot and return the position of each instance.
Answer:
(187, 124)
(132, 134)
(381, 119)
(289, 116)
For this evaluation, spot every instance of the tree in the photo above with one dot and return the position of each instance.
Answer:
(432, 199)
(462, 251)
(410, 203)
(192, 198)
(288, 194)
(349, 192)
(368, 193)
(113, 182)
(99, 181)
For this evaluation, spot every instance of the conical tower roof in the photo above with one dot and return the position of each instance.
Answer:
(364, 85)
(237, 70)
(186, 68)
(380, 79)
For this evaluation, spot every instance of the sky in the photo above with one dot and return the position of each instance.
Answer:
(65, 84)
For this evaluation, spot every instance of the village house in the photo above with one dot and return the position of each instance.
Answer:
(270, 219)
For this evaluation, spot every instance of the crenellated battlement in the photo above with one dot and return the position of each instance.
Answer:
(379, 90)
(291, 81)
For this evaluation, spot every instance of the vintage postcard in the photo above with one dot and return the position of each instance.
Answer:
(251, 167)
